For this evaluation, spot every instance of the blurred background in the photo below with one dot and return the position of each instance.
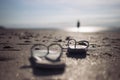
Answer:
(94, 15)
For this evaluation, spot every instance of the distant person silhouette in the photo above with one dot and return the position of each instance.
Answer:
(78, 24)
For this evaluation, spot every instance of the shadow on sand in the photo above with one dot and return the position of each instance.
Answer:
(6, 59)
(37, 71)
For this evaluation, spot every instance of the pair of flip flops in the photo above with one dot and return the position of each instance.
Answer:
(47, 56)
(77, 49)
(50, 56)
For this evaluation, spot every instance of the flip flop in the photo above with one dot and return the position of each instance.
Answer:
(47, 56)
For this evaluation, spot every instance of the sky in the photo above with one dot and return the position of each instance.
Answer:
(59, 13)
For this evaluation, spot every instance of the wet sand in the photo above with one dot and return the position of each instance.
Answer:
(102, 61)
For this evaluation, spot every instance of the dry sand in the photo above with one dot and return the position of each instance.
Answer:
(102, 61)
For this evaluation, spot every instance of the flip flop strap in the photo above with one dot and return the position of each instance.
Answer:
(58, 58)
(37, 45)
(71, 40)
(86, 43)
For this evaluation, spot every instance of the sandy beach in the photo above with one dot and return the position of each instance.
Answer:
(102, 61)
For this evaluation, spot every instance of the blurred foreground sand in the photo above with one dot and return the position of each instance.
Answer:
(102, 63)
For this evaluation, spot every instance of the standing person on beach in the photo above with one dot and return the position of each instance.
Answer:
(78, 24)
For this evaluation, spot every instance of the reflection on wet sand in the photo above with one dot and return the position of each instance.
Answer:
(87, 29)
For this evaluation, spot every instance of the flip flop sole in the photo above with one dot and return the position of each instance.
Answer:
(46, 63)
